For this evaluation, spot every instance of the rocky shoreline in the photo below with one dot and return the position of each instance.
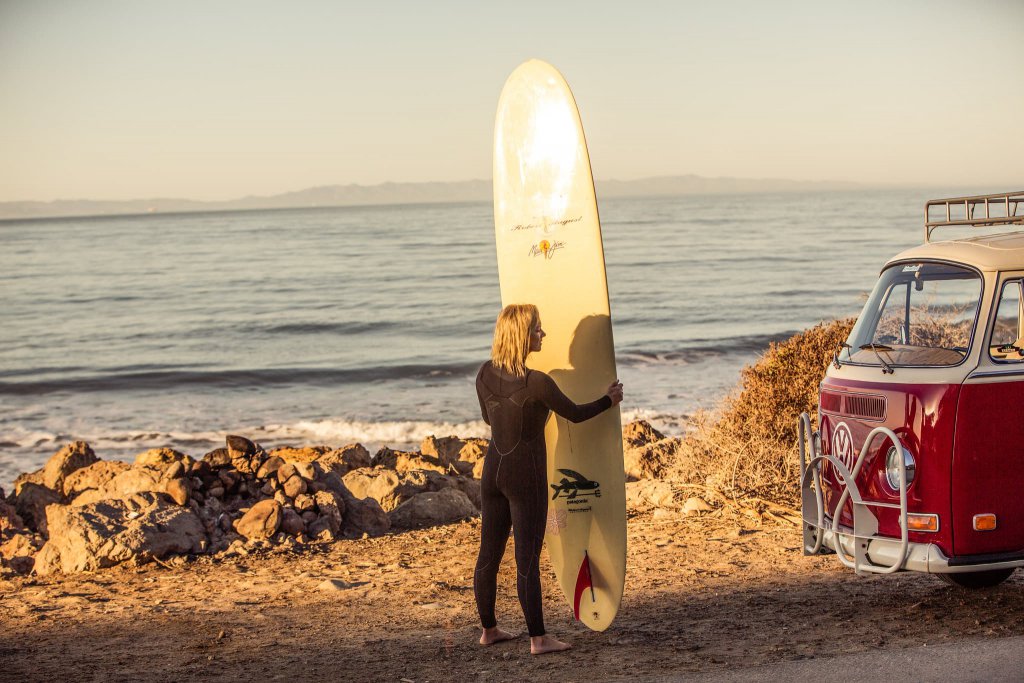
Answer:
(82, 513)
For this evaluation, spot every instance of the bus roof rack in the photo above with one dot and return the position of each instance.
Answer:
(1000, 209)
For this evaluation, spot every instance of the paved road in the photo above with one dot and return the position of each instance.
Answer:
(970, 661)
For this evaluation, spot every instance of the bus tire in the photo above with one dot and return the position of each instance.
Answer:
(982, 579)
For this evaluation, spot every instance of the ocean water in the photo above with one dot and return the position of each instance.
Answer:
(312, 326)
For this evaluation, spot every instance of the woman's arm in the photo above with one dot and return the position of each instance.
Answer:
(480, 389)
(544, 389)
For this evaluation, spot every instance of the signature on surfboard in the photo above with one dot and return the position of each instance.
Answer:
(574, 484)
(546, 248)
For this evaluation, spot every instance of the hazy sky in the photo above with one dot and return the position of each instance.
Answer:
(219, 99)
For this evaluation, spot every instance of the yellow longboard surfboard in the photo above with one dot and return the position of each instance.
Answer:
(550, 254)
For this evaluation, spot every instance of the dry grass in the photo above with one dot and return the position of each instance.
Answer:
(748, 447)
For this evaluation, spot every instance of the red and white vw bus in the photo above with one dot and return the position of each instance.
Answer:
(918, 461)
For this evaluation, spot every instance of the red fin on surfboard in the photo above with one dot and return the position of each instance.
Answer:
(583, 582)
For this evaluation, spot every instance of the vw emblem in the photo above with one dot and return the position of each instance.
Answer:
(842, 448)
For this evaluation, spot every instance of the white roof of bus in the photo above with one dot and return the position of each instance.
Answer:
(1004, 251)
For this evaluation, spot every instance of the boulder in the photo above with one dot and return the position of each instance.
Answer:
(651, 460)
(402, 461)
(432, 508)
(345, 459)
(137, 479)
(144, 527)
(240, 447)
(292, 523)
(269, 467)
(94, 476)
(9, 518)
(361, 516)
(639, 433)
(293, 455)
(381, 484)
(261, 521)
(473, 452)
(163, 457)
(31, 503)
(75, 455)
(332, 508)
(294, 486)
(18, 553)
(445, 450)
(28, 478)
(391, 489)
(218, 458)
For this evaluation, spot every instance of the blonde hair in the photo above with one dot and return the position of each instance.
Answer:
(512, 331)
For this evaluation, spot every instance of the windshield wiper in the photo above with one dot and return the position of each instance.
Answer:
(886, 367)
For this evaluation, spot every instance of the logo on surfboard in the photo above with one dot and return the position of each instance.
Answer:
(546, 248)
(575, 485)
(546, 225)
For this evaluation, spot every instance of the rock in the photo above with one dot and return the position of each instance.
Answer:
(651, 461)
(292, 523)
(9, 518)
(694, 506)
(294, 455)
(445, 450)
(163, 456)
(31, 503)
(215, 491)
(240, 447)
(432, 508)
(332, 508)
(269, 467)
(309, 516)
(177, 490)
(218, 458)
(304, 502)
(639, 433)
(649, 492)
(28, 478)
(286, 472)
(306, 470)
(403, 462)
(282, 499)
(391, 489)
(383, 485)
(294, 486)
(144, 527)
(364, 517)
(261, 521)
(345, 459)
(473, 452)
(18, 553)
(136, 479)
(94, 476)
(74, 456)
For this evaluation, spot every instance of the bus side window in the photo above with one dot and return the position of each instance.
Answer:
(1007, 344)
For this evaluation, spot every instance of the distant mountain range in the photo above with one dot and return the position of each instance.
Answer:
(406, 193)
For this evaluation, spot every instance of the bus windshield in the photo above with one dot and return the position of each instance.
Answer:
(919, 315)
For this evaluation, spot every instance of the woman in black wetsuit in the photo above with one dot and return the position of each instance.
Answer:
(515, 402)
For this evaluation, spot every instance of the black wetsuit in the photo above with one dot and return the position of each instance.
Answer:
(513, 486)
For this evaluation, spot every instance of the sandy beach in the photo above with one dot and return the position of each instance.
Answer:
(719, 592)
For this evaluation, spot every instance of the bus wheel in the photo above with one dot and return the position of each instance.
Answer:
(985, 579)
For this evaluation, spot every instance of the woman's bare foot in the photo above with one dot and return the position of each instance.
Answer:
(494, 635)
(546, 643)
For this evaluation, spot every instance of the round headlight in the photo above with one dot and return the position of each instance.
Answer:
(892, 467)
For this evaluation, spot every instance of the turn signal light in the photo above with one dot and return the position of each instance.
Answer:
(985, 522)
(916, 522)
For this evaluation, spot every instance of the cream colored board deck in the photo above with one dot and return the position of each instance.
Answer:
(550, 254)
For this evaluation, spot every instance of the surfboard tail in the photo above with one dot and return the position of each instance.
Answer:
(583, 582)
